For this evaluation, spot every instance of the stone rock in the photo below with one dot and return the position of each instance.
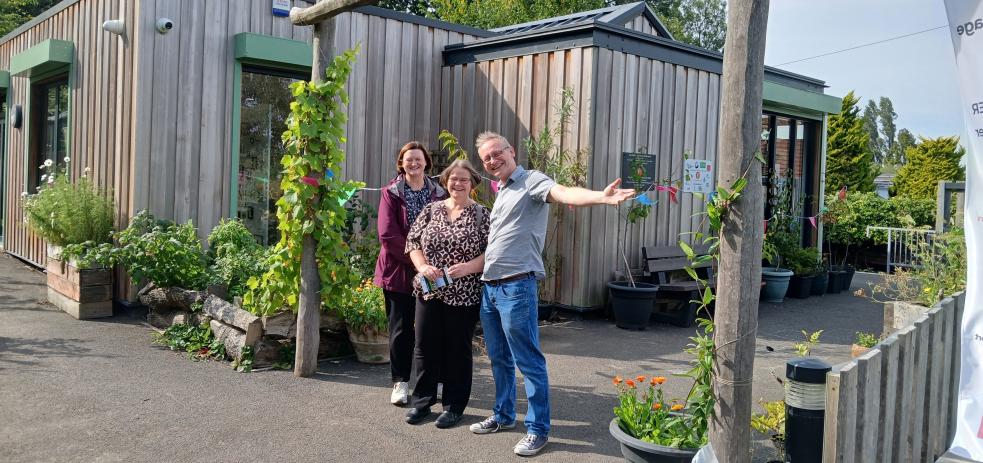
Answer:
(334, 344)
(266, 353)
(233, 338)
(283, 324)
(219, 309)
(332, 322)
(161, 299)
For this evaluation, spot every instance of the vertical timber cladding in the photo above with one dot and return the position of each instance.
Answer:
(650, 106)
(185, 99)
(99, 105)
(516, 97)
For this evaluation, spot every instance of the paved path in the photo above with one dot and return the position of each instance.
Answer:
(100, 391)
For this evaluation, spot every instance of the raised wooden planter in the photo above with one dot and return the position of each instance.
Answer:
(82, 293)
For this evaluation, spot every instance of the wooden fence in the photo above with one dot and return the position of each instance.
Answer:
(897, 402)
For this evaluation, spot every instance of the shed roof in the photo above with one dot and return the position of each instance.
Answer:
(618, 15)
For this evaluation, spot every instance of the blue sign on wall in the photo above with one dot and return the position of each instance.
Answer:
(281, 7)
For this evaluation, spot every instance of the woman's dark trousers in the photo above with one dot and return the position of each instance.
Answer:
(400, 308)
(443, 354)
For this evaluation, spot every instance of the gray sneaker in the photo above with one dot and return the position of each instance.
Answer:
(490, 425)
(530, 445)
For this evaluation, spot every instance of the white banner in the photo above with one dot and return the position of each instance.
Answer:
(966, 27)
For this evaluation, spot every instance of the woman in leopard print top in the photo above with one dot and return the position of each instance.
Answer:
(448, 238)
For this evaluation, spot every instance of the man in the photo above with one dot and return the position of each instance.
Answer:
(509, 303)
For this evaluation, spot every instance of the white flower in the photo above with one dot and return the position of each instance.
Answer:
(51, 180)
(67, 159)
(48, 162)
(23, 194)
(44, 177)
(86, 169)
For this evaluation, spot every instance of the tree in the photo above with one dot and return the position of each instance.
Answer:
(849, 161)
(931, 160)
(875, 143)
(417, 7)
(905, 140)
(697, 22)
(13, 13)
(888, 126)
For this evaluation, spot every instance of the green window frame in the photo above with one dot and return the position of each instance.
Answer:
(268, 56)
(43, 64)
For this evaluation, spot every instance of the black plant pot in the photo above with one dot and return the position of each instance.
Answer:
(799, 286)
(632, 306)
(846, 278)
(637, 451)
(819, 283)
(546, 311)
(833, 285)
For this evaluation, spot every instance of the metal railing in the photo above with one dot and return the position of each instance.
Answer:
(903, 244)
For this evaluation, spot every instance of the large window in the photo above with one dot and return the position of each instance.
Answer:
(264, 107)
(787, 148)
(49, 126)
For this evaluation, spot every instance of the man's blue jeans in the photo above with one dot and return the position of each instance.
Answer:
(510, 320)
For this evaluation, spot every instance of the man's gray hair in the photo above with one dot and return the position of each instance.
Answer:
(487, 136)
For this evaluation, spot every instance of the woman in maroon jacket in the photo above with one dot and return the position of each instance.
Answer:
(402, 200)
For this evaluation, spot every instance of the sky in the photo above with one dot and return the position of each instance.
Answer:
(917, 73)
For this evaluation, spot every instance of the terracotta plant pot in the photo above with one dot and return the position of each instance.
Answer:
(370, 348)
(637, 451)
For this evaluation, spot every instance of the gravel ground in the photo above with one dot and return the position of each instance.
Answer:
(100, 391)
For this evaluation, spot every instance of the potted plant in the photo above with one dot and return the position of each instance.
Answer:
(802, 262)
(864, 342)
(836, 216)
(78, 216)
(781, 242)
(820, 278)
(652, 428)
(772, 424)
(632, 301)
(364, 311)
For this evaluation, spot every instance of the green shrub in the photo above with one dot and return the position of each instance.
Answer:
(803, 261)
(364, 309)
(867, 340)
(847, 221)
(235, 255)
(63, 212)
(163, 253)
(197, 340)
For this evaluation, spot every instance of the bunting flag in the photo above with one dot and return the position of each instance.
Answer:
(309, 180)
(670, 189)
(644, 199)
(812, 220)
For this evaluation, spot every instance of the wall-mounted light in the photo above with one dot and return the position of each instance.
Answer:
(114, 26)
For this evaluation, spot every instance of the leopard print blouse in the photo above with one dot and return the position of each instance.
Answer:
(445, 243)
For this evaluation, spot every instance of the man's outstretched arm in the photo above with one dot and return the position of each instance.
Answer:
(576, 196)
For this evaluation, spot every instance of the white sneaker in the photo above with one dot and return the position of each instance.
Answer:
(400, 394)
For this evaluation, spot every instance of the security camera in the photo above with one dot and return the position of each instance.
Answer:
(164, 25)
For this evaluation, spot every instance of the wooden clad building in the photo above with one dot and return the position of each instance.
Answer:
(185, 120)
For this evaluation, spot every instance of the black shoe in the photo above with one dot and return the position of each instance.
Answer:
(448, 419)
(416, 415)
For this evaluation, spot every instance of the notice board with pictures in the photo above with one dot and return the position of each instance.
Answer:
(697, 176)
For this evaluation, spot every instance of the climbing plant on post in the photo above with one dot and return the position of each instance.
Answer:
(308, 264)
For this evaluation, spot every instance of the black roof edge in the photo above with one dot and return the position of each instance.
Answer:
(642, 8)
(612, 37)
(37, 20)
(422, 21)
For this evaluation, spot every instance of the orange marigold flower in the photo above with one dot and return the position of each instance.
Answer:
(656, 406)
(630, 383)
(616, 380)
(658, 380)
(677, 407)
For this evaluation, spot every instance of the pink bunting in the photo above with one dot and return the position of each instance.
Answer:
(812, 220)
(670, 189)
(309, 180)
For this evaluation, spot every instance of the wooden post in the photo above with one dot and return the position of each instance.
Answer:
(309, 317)
(739, 277)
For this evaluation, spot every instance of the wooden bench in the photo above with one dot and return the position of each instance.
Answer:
(665, 266)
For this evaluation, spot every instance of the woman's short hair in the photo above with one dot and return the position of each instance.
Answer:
(413, 145)
(460, 164)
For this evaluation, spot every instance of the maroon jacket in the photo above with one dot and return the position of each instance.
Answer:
(394, 270)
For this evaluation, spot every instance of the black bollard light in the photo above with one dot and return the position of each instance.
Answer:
(805, 409)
